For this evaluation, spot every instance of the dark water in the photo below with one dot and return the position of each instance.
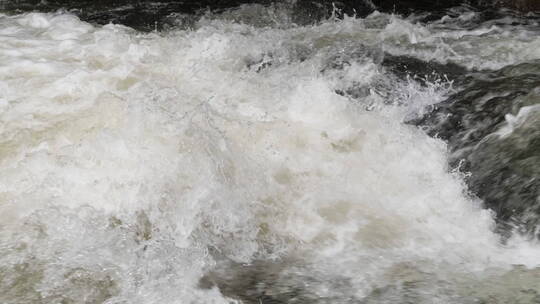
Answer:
(254, 187)
(504, 171)
(157, 15)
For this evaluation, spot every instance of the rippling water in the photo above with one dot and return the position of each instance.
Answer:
(247, 155)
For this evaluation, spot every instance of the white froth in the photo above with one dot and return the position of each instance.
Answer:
(480, 48)
(129, 156)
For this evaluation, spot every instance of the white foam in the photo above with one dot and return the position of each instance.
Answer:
(218, 156)
(488, 47)
(513, 121)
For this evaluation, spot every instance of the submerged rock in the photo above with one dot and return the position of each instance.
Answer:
(493, 131)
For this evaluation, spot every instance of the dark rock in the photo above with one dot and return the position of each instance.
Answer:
(284, 281)
(522, 5)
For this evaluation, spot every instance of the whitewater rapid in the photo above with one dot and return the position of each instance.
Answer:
(135, 164)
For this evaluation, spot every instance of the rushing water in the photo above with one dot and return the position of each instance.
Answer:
(245, 156)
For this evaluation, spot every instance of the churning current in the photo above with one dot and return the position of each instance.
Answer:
(241, 157)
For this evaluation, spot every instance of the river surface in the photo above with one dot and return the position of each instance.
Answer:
(268, 154)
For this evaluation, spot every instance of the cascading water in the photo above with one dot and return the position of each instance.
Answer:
(240, 156)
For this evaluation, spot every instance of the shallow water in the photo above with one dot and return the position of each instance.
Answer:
(241, 156)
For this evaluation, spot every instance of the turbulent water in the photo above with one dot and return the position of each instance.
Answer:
(240, 156)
